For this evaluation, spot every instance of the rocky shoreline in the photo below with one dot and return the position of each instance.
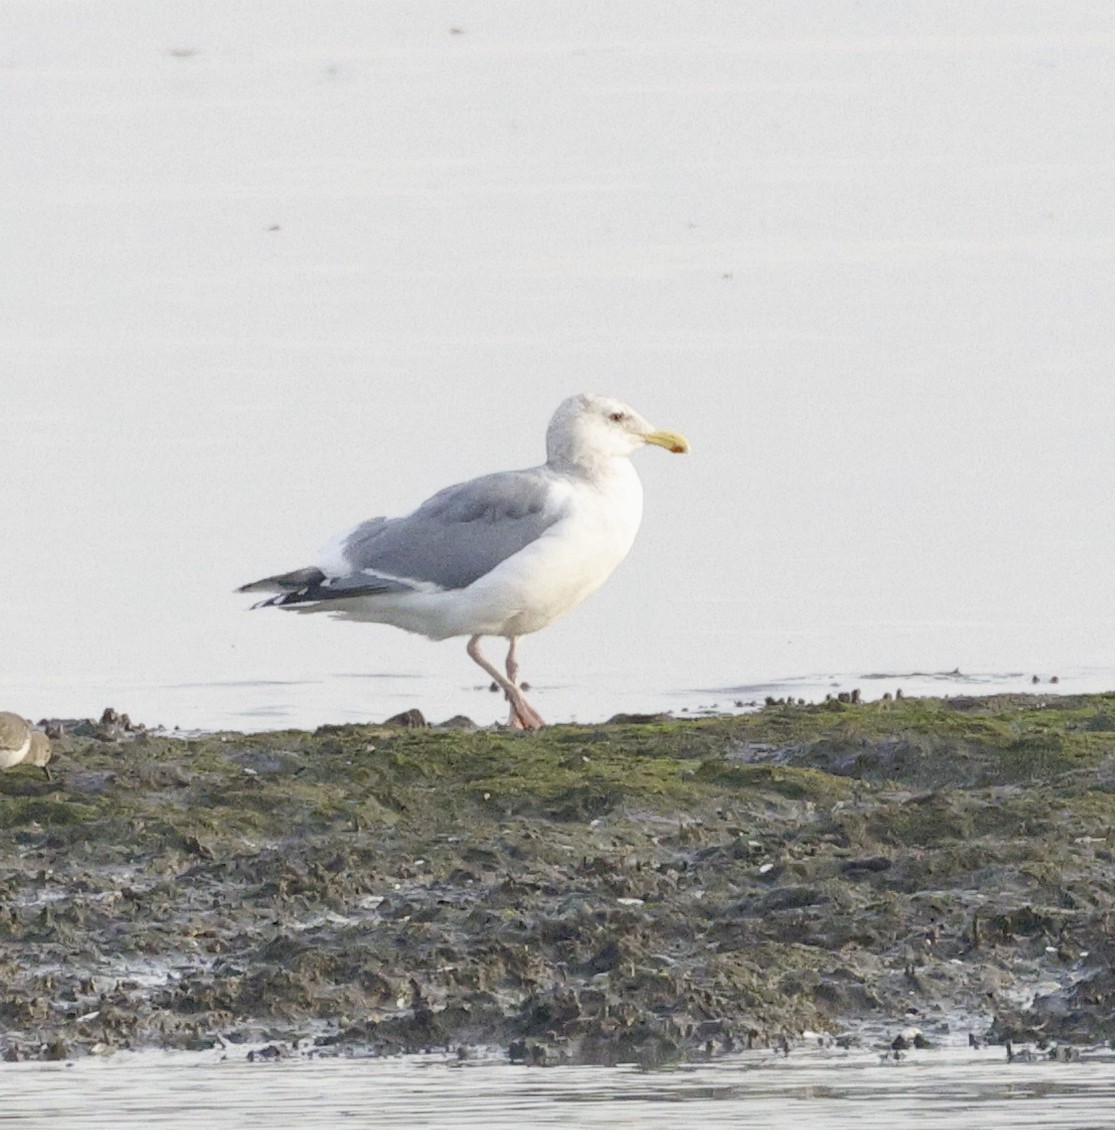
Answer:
(648, 890)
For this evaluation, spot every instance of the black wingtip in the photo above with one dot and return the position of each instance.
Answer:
(295, 583)
(299, 596)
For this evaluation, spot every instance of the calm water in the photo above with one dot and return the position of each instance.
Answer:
(342, 697)
(938, 1090)
(270, 274)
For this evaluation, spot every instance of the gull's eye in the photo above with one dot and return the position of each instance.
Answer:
(617, 417)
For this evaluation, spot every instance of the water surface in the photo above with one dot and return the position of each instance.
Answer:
(269, 275)
(825, 1090)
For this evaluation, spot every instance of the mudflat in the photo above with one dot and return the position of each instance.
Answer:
(646, 890)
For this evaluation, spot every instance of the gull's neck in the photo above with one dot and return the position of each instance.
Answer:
(592, 466)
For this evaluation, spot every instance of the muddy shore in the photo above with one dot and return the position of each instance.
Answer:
(646, 890)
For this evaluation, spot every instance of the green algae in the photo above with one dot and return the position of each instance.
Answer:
(18, 812)
(647, 891)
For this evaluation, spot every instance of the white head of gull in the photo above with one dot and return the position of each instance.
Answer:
(501, 555)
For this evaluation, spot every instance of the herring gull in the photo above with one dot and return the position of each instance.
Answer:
(20, 745)
(501, 555)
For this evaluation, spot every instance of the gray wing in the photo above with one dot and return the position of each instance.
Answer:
(460, 534)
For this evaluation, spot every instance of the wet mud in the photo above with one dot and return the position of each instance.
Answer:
(647, 890)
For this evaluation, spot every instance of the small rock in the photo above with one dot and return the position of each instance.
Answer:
(408, 720)
(267, 1054)
(458, 722)
(866, 866)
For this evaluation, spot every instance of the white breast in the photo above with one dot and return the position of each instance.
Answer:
(571, 560)
(13, 755)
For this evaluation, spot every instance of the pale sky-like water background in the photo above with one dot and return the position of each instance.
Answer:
(272, 270)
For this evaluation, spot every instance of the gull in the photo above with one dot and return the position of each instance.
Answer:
(501, 555)
(20, 744)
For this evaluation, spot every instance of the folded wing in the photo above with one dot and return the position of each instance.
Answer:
(453, 539)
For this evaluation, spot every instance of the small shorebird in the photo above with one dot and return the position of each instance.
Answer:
(19, 744)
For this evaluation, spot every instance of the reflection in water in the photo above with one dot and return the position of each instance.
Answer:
(822, 1089)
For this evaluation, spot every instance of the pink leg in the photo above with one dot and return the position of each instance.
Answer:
(512, 664)
(532, 718)
(523, 715)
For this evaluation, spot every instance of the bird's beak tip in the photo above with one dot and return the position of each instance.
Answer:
(671, 441)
